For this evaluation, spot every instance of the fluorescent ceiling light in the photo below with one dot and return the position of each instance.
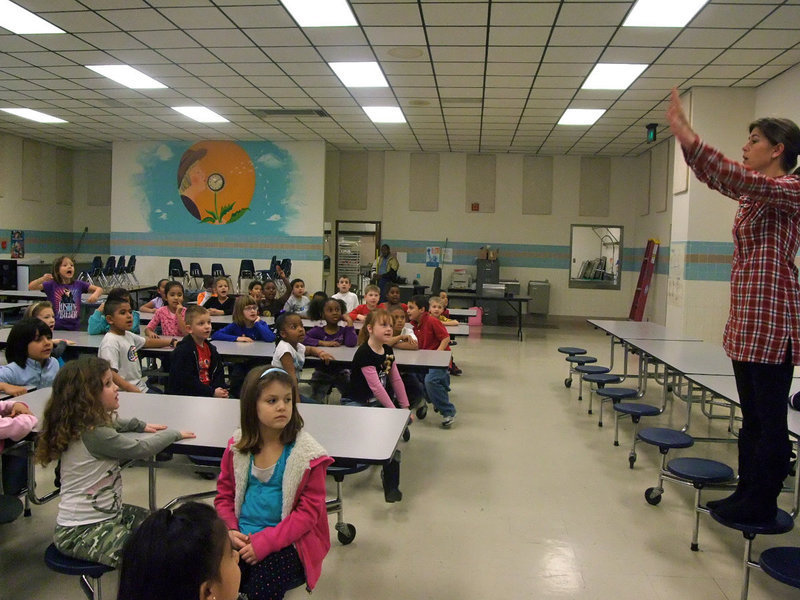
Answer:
(659, 13)
(321, 13)
(581, 116)
(33, 115)
(20, 21)
(359, 74)
(127, 76)
(612, 76)
(201, 114)
(384, 114)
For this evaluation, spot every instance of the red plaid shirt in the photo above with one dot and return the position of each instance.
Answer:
(765, 295)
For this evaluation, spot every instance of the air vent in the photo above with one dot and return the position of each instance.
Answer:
(268, 113)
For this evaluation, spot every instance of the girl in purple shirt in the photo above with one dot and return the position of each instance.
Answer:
(65, 293)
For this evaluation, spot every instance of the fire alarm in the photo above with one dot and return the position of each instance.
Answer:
(476, 206)
(4, 244)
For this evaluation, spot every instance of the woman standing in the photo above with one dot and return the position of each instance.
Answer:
(762, 335)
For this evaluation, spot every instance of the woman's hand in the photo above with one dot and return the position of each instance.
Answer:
(678, 122)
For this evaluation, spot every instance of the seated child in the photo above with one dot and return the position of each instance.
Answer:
(170, 316)
(432, 335)
(159, 300)
(437, 311)
(290, 353)
(345, 295)
(403, 338)
(80, 426)
(196, 368)
(271, 490)
(298, 302)
(256, 290)
(326, 377)
(247, 327)
(16, 422)
(222, 303)
(44, 311)
(392, 299)
(28, 355)
(272, 305)
(372, 294)
(97, 322)
(174, 554)
(120, 345)
(207, 291)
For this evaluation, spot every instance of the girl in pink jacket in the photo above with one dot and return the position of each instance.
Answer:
(271, 490)
(16, 421)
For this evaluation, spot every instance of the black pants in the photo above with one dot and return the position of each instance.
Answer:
(764, 446)
(272, 577)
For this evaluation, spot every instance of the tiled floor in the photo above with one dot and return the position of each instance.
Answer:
(524, 498)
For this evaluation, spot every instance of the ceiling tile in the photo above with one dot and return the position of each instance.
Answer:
(198, 18)
(770, 38)
(518, 36)
(221, 38)
(396, 36)
(708, 38)
(532, 54)
(381, 14)
(455, 13)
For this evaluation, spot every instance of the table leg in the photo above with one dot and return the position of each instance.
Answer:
(151, 480)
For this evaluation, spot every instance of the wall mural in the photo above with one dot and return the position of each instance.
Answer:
(217, 187)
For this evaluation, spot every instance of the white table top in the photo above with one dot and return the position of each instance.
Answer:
(640, 330)
(408, 358)
(12, 305)
(38, 295)
(463, 312)
(368, 434)
(724, 386)
(687, 357)
(216, 320)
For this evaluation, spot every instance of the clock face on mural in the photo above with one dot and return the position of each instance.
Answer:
(215, 182)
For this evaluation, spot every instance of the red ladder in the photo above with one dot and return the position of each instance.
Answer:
(645, 276)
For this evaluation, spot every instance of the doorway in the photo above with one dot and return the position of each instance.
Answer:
(357, 244)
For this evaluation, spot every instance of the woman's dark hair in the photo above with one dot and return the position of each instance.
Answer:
(172, 553)
(23, 333)
(781, 131)
(256, 380)
(171, 285)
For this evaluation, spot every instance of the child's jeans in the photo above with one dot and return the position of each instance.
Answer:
(437, 387)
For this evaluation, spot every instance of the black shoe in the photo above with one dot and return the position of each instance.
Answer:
(734, 497)
(748, 511)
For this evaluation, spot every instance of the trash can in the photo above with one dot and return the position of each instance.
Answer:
(539, 291)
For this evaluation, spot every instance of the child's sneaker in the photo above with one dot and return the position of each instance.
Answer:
(454, 370)
(448, 421)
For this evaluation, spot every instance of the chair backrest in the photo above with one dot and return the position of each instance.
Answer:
(97, 263)
(120, 265)
(195, 270)
(247, 268)
(286, 265)
(131, 264)
(110, 264)
(175, 268)
(217, 270)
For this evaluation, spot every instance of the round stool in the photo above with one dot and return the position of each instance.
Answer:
(575, 361)
(89, 572)
(571, 351)
(635, 410)
(586, 369)
(615, 394)
(346, 532)
(783, 564)
(665, 439)
(699, 473)
(600, 380)
(10, 508)
(781, 523)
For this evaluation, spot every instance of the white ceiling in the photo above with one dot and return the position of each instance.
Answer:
(470, 76)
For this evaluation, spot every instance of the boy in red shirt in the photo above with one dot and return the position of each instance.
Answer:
(432, 335)
(372, 294)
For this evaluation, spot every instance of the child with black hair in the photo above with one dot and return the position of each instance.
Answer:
(159, 300)
(392, 299)
(98, 323)
(44, 311)
(28, 350)
(170, 316)
(272, 304)
(181, 554)
(331, 334)
(298, 302)
(271, 490)
(290, 353)
(120, 347)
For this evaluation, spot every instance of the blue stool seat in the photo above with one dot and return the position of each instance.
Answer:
(637, 409)
(61, 563)
(700, 470)
(617, 393)
(581, 360)
(571, 350)
(666, 439)
(782, 523)
(10, 508)
(602, 378)
(591, 369)
(783, 564)
(340, 472)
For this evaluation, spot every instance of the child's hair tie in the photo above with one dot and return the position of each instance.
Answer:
(272, 370)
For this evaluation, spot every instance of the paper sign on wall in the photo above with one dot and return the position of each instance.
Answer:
(433, 255)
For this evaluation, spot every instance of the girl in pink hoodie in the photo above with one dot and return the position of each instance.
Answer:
(16, 421)
(271, 490)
